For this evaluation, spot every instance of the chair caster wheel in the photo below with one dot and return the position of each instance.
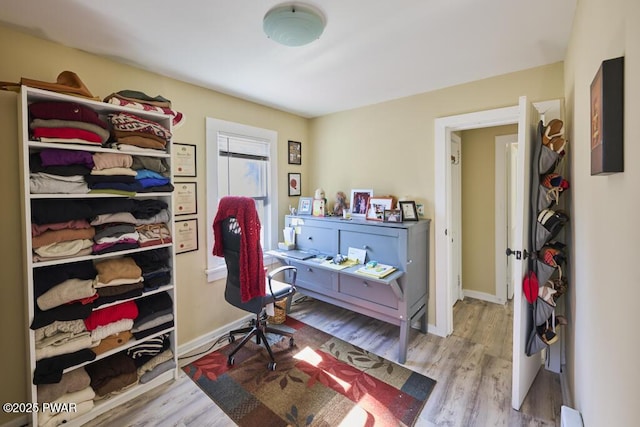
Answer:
(291, 343)
(271, 366)
(230, 360)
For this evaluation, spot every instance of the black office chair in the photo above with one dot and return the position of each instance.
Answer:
(275, 291)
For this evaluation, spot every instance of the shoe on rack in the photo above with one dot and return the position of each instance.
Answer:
(554, 128)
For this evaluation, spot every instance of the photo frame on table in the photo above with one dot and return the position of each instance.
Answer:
(186, 201)
(295, 153)
(184, 160)
(409, 210)
(359, 202)
(294, 184)
(392, 215)
(186, 236)
(305, 205)
(607, 118)
(377, 206)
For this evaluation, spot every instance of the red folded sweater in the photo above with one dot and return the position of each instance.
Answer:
(104, 316)
(252, 276)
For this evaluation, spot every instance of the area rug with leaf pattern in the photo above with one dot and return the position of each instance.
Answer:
(321, 381)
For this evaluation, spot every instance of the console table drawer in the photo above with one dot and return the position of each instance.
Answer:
(368, 290)
(313, 278)
(379, 247)
(318, 239)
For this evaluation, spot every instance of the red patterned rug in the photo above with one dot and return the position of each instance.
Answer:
(321, 381)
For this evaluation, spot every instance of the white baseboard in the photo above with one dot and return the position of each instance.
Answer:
(212, 336)
(483, 296)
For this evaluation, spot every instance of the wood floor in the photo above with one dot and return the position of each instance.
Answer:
(472, 368)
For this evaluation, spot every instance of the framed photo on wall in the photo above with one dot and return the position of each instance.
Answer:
(360, 202)
(186, 238)
(295, 153)
(294, 184)
(186, 198)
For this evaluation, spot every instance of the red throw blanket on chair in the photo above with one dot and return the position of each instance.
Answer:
(252, 276)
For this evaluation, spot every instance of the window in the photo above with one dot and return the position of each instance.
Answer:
(239, 163)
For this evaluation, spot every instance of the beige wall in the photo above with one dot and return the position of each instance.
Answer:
(478, 207)
(390, 146)
(201, 306)
(602, 347)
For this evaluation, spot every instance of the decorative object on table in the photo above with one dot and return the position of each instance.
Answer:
(184, 158)
(360, 202)
(420, 208)
(319, 207)
(607, 118)
(392, 215)
(375, 269)
(295, 153)
(340, 204)
(294, 184)
(380, 390)
(409, 210)
(305, 205)
(377, 206)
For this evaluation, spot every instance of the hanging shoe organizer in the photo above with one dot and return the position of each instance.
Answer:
(549, 254)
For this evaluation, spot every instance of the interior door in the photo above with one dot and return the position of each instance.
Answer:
(524, 368)
(512, 184)
(456, 219)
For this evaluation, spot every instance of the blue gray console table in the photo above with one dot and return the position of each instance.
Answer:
(399, 298)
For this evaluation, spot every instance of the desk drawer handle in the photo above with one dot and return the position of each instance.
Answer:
(309, 238)
(366, 284)
(365, 247)
(309, 269)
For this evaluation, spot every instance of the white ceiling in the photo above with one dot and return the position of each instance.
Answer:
(371, 50)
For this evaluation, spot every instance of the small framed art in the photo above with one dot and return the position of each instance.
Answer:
(409, 210)
(305, 205)
(359, 202)
(184, 160)
(185, 198)
(392, 215)
(377, 206)
(318, 207)
(186, 238)
(294, 184)
(295, 153)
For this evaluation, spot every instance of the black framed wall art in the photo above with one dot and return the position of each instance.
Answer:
(295, 153)
(607, 118)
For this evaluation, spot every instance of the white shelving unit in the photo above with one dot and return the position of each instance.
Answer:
(30, 95)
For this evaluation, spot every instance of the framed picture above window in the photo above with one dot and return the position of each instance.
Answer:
(295, 153)
(409, 211)
(294, 184)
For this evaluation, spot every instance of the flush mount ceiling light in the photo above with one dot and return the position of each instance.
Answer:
(293, 25)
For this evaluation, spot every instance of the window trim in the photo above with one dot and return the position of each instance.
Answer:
(216, 267)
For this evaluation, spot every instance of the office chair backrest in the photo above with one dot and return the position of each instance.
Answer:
(231, 244)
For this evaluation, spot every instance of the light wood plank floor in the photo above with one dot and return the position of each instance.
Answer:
(472, 367)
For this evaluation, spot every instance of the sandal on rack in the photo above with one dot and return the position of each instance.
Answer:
(553, 129)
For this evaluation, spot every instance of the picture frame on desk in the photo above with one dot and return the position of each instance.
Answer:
(305, 205)
(377, 206)
(409, 210)
(295, 184)
(392, 215)
(360, 201)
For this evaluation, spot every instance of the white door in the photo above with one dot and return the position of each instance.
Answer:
(524, 368)
(456, 223)
(512, 184)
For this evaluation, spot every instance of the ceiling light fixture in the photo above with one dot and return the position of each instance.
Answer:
(293, 25)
